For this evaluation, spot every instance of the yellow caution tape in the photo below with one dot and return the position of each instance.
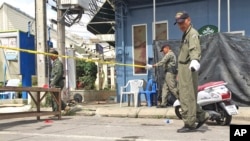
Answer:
(71, 57)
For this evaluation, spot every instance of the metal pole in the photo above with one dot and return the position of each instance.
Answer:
(219, 14)
(48, 58)
(228, 15)
(49, 33)
(123, 45)
(67, 72)
(153, 20)
(29, 26)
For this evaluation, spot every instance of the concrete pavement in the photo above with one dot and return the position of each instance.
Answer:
(114, 110)
(93, 128)
(145, 124)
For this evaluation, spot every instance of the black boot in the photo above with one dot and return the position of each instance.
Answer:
(186, 129)
(207, 117)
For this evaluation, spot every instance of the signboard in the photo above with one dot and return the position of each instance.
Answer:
(11, 55)
(208, 29)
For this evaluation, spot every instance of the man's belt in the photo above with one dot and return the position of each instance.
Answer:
(184, 62)
(171, 70)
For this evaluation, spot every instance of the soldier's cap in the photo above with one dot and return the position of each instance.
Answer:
(180, 17)
(53, 51)
(164, 45)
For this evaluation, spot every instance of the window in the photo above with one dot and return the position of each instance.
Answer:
(241, 32)
(161, 30)
(139, 40)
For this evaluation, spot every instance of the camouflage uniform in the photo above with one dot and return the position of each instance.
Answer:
(56, 80)
(188, 80)
(169, 85)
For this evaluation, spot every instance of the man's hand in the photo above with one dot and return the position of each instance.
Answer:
(149, 66)
(194, 65)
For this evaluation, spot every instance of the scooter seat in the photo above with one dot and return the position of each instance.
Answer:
(209, 84)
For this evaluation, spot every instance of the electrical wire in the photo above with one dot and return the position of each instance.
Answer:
(70, 19)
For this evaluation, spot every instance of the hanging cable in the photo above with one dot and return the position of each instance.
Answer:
(70, 19)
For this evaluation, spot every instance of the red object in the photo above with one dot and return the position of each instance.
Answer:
(45, 86)
(209, 84)
(226, 96)
(48, 121)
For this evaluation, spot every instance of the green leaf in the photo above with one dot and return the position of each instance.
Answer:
(86, 73)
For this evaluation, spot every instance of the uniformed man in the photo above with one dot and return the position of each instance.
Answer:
(169, 64)
(188, 66)
(56, 78)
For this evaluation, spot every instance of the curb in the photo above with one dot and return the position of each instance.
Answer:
(117, 112)
(129, 112)
(244, 113)
(145, 112)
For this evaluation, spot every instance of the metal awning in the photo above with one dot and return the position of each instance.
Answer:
(103, 21)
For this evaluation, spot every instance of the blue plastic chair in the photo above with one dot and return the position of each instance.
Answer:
(10, 94)
(150, 92)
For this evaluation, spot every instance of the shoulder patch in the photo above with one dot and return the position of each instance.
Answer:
(194, 36)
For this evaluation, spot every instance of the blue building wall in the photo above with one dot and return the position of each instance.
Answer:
(202, 13)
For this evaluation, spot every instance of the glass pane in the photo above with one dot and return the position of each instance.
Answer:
(139, 35)
(161, 31)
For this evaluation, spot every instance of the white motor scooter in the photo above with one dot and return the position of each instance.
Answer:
(215, 98)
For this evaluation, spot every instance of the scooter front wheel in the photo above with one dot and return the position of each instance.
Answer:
(178, 112)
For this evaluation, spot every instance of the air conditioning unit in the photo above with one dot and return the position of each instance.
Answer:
(84, 96)
(76, 3)
(77, 95)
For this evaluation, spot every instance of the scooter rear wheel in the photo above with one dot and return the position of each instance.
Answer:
(178, 112)
(225, 119)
